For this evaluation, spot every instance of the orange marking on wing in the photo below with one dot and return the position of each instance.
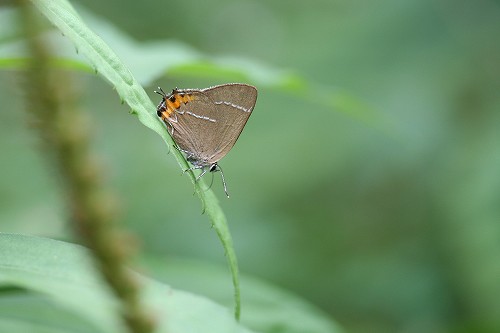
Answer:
(186, 98)
(176, 103)
(166, 114)
(172, 105)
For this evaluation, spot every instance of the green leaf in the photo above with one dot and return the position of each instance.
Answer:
(24, 311)
(267, 307)
(63, 274)
(107, 63)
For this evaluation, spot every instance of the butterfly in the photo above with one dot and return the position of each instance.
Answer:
(205, 123)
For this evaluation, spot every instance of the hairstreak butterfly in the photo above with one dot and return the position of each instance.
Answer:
(205, 123)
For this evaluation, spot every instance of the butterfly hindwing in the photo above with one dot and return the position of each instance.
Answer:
(208, 126)
(234, 104)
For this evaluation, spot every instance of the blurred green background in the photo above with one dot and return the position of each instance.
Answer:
(386, 216)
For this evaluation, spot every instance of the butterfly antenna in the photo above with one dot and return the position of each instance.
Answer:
(161, 92)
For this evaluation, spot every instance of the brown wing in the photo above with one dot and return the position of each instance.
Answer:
(234, 104)
(208, 126)
(192, 124)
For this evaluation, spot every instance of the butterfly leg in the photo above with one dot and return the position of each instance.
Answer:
(223, 180)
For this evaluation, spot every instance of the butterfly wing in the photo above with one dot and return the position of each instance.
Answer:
(234, 104)
(190, 123)
(208, 126)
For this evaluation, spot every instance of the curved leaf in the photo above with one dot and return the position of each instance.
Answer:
(65, 275)
(107, 63)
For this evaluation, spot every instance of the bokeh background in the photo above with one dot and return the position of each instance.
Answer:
(385, 212)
